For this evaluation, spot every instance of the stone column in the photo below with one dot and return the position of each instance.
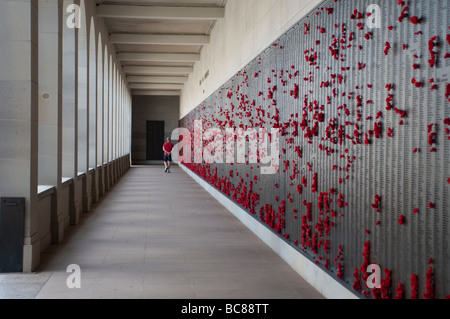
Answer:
(106, 114)
(112, 105)
(19, 115)
(50, 108)
(70, 114)
(104, 117)
(82, 184)
(100, 121)
(109, 125)
(93, 137)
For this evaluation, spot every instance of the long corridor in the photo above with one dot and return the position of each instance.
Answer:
(160, 236)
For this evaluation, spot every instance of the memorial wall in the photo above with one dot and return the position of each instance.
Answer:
(359, 93)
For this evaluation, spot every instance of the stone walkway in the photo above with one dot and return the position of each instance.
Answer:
(160, 236)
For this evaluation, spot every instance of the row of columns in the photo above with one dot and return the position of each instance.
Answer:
(65, 112)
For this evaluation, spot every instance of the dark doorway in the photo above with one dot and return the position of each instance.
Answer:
(155, 140)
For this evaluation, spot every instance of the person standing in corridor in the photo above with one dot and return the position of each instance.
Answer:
(167, 148)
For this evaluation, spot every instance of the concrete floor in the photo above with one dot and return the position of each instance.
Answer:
(160, 236)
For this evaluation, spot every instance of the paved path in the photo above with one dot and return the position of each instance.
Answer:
(160, 236)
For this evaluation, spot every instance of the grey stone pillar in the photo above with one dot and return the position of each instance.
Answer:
(100, 116)
(70, 116)
(83, 111)
(50, 108)
(19, 115)
(93, 113)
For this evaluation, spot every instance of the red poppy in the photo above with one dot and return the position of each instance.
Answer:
(387, 47)
(390, 132)
(431, 45)
(431, 139)
(415, 20)
(416, 83)
(414, 286)
(429, 285)
(400, 291)
(340, 273)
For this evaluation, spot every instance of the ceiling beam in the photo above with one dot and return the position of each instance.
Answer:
(160, 12)
(158, 39)
(149, 70)
(159, 57)
(157, 79)
(149, 86)
(157, 92)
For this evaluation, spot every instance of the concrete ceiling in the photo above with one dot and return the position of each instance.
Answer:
(158, 42)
